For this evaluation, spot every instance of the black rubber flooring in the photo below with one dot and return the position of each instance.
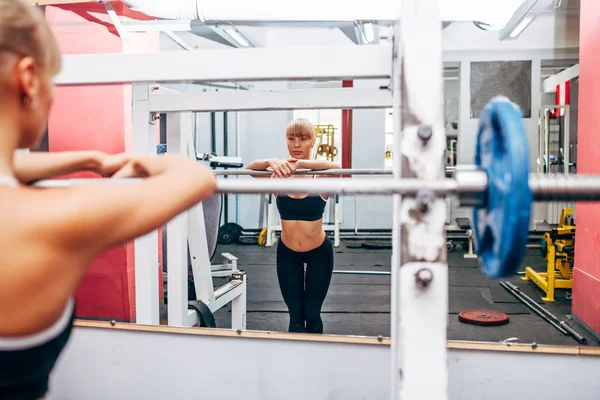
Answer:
(360, 304)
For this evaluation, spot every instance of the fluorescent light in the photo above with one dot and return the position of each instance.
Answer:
(521, 27)
(368, 29)
(492, 12)
(235, 35)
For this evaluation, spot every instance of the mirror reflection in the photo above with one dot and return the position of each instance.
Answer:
(322, 264)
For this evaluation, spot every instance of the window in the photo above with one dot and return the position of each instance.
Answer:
(325, 117)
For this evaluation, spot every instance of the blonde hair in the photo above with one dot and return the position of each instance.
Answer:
(24, 32)
(300, 127)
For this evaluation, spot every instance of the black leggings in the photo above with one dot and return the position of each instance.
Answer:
(304, 295)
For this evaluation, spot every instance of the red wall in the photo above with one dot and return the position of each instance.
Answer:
(586, 274)
(97, 117)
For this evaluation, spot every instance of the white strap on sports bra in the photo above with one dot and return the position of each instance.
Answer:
(37, 339)
(7, 180)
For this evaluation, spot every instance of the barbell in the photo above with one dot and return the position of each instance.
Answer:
(498, 186)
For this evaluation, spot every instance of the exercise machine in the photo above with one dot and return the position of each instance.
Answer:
(558, 249)
(189, 244)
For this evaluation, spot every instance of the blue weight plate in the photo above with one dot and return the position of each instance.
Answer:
(501, 226)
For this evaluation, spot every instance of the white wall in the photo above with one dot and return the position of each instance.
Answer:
(116, 363)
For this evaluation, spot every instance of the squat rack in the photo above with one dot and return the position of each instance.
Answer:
(414, 64)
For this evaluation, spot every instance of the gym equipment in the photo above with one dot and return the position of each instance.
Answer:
(558, 249)
(189, 245)
(465, 223)
(483, 317)
(216, 161)
(413, 64)
(328, 150)
(547, 316)
(229, 233)
(334, 172)
(262, 237)
(502, 225)
(470, 184)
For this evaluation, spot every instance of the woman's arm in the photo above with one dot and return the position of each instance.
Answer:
(316, 165)
(88, 219)
(35, 166)
(259, 165)
(280, 168)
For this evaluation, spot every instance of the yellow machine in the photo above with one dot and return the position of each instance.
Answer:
(325, 142)
(558, 249)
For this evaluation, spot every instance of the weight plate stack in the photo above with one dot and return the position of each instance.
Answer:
(501, 225)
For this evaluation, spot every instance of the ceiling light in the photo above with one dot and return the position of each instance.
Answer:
(521, 27)
(235, 35)
(368, 30)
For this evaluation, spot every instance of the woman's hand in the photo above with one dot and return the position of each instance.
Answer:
(282, 168)
(123, 165)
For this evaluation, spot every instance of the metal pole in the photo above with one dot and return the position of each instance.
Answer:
(532, 308)
(145, 248)
(562, 324)
(213, 133)
(419, 268)
(470, 190)
(225, 153)
(335, 172)
(343, 272)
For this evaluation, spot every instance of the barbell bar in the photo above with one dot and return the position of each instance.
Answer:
(335, 172)
(498, 186)
(469, 186)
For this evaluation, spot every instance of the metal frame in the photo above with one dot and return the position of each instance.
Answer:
(264, 100)
(419, 270)
(186, 230)
(245, 65)
(554, 209)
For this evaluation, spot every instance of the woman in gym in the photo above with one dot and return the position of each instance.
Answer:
(49, 236)
(303, 240)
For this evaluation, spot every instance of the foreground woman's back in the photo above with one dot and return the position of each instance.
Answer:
(49, 236)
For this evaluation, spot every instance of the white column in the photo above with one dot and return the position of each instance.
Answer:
(419, 266)
(177, 245)
(145, 247)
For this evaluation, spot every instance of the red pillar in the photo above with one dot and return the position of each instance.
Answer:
(586, 274)
(97, 117)
(347, 133)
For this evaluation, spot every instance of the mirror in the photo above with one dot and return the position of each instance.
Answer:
(477, 66)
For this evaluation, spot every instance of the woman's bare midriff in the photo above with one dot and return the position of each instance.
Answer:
(302, 236)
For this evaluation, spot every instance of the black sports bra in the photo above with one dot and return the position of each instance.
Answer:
(308, 208)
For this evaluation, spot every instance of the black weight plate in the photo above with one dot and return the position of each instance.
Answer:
(248, 240)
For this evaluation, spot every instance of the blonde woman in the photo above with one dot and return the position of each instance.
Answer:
(49, 236)
(303, 240)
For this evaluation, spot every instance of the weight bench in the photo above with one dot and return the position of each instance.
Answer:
(465, 223)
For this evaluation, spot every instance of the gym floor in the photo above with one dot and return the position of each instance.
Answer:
(360, 304)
